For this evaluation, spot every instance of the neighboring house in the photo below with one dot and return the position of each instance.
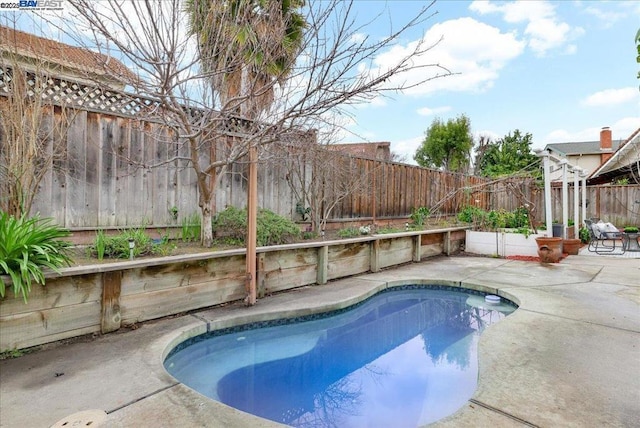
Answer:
(378, 150)
(588, 155)
(59, 60)
(624, 164)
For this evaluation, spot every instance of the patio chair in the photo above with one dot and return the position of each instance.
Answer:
(603, 237)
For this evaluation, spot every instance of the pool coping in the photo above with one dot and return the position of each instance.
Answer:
(211, 325)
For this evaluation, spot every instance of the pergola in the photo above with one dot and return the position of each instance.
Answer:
(579, 175)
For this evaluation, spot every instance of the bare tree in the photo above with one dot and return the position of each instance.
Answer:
(151, 37)
(321, 178)
(32, 126)
(398, 157)
(484, 142)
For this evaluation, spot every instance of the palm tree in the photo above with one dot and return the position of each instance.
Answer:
(247, 46)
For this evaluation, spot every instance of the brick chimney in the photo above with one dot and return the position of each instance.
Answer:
(606, 150)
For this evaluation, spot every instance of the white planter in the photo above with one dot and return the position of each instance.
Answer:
(501, 243)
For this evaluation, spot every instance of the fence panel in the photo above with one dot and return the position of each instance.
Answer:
(619, 205)
(103, 179)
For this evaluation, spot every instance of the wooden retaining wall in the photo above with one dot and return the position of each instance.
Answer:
(103, 298)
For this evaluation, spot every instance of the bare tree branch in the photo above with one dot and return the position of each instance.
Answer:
(335, 68)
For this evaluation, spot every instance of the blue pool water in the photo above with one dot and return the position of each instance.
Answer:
(402, 358)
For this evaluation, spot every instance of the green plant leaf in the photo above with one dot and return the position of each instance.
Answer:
(26, 246)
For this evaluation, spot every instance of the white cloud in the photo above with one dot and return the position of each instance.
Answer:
(623, 128)
(545, 34)
(544, 29)
(474, 50)
(407, 148)
(486, 133)
(515, 12)
(606, 17)
(426, 111)
(358, 37)
(611, 97)
(609, 13)
(378, 102)
(620, 130)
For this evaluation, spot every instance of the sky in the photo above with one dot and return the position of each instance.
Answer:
(560, 70)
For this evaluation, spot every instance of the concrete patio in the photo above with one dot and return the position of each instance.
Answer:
(568, 357)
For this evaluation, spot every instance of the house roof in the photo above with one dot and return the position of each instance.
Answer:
(627, 154)
(580, 147)
(56, 53)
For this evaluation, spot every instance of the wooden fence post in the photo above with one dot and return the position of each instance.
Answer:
(375, 256)
(417, 248)
(111, 318)
(323, 265)
(446, 245)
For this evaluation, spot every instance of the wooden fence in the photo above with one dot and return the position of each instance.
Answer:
(105, 180)
(102, 180)
(118, 171)
(619, 205)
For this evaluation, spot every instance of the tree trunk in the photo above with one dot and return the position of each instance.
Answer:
(207, 229)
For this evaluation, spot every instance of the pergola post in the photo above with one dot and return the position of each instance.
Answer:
(565, 198)
(583, 175)
(546, 168)
(576, 209)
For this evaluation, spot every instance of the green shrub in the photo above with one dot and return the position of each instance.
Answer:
(274, 229)
(190, 228)
(495, 219)
(302, 211)
(519, 218)
(100, 244)
(230, 226)
(471, 214)
(26, 246)
(419, 215)
(630, 229)
(309, 235)
(163, 248)
(584, 235)
(349, 232)
(117, 246)
(499, 219)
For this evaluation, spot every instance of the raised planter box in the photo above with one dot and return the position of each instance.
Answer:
(104, 297)
(501, 243)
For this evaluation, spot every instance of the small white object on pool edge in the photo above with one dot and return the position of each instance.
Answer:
(492, 299)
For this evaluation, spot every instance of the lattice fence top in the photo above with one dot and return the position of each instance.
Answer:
(73, 94)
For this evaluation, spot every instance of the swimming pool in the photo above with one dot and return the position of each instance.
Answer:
(404, 357)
